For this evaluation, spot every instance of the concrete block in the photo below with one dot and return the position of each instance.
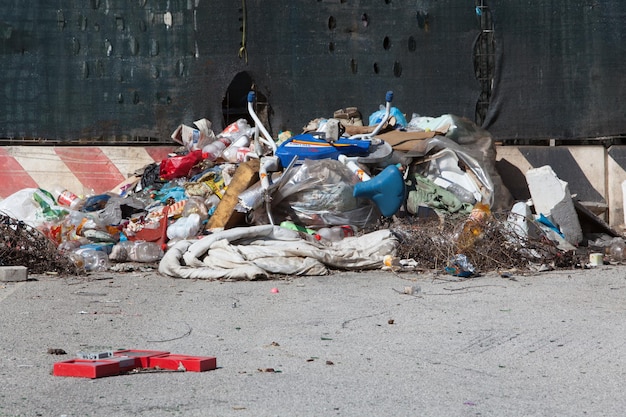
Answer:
(551, 197)
(616, 175)
(13, 273)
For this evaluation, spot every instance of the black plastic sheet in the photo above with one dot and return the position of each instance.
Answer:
(127, 71)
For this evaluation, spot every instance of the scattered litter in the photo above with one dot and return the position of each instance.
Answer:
(596, 259)
(410, 290)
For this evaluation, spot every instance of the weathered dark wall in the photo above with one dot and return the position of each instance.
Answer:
(560, 69)
(121, 70)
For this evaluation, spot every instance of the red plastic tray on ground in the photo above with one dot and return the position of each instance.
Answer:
(126, 363)
(190, 363)
(141, 356)
(86, 368)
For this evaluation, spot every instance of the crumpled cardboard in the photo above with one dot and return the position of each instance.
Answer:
(194, 138)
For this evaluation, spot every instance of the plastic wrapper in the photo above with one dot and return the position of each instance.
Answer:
(196, 137)
(460, 266)
(473, 146)
(179, 166)
(119, 208)
(211, 181)
(320, 193)
(195, 205)
(33, 206)
(376, 117)
(481, 177)
(185, 227)
(151, 176)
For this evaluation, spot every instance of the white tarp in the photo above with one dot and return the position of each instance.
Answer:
(258, 251)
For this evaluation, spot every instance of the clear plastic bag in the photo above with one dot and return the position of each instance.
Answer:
(320, 193)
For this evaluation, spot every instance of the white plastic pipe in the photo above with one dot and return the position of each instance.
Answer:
(267, 138)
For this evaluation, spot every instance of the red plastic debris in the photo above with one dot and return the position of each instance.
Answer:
(86, 368)
(189, 363)
(127, 360)
(141, 356)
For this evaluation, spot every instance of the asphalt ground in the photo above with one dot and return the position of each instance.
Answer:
(347, 344)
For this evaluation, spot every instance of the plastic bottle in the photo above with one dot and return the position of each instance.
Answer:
(233, 152)
(461, 193)
(236, 129)
(92, 259)
(66, 198)
(142, 251)
(473, 227)
(617, 250)
(214, 150)
(335, 233)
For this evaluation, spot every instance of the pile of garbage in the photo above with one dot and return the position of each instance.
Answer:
(347, 194)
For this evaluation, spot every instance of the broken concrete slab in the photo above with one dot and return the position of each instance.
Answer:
(13, 273)
(551, 197)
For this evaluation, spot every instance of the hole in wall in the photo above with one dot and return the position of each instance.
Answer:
(422, 19)
(412, 44)
(397, 69)
(353, 66)
(235, 102)
(332, 23)
(376, 68)
(331, 46)
(386, 43)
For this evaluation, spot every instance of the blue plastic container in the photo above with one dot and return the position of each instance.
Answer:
(307, 146)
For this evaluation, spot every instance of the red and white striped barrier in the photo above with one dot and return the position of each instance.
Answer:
(81, 169)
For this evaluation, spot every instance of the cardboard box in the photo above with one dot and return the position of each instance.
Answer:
(225, 215)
